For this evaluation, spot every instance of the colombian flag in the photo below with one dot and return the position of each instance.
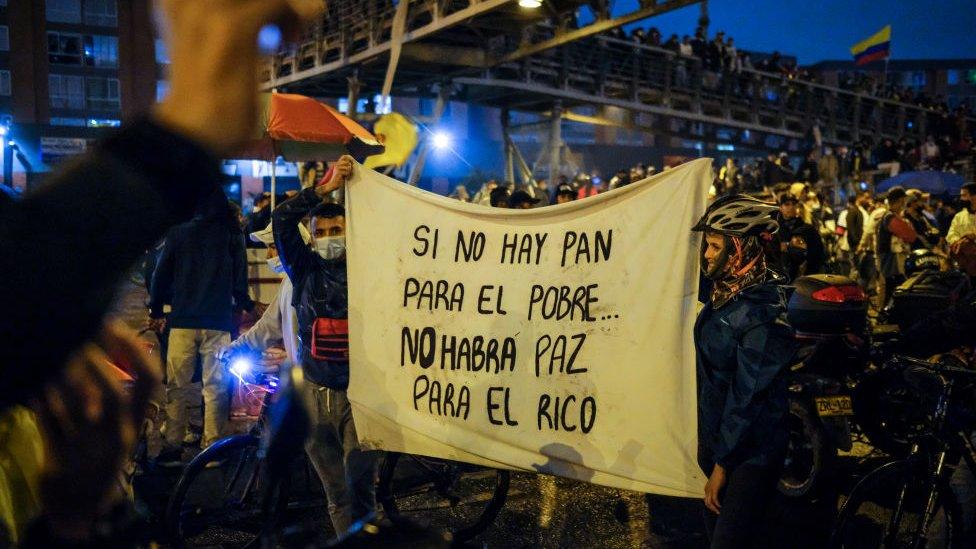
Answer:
(878, 46)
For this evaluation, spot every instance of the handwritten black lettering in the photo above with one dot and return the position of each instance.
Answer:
(555, 303)
(471, 249)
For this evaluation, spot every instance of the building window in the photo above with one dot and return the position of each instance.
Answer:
(918, 79)
(101, 51)
(66, 92)
(162, 54)
(64, 11)
(102, 93)
(4, 38)
(102, 13)
(64, 48)
(65, 121)
(162, 88)
(4, 82)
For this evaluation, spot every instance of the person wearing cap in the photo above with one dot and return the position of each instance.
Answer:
(499, 197)
(928, 235)
(202, 274)
(799, 244)
(279, 322)
(565, 193)
(521, 200)
(893, 240)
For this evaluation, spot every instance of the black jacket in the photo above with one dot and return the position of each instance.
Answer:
(320, 290)
(743, 352)
(815, 255)
(855, 227)
(202, 272)
(65, 247)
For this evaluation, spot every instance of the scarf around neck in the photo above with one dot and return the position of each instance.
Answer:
(746, 267)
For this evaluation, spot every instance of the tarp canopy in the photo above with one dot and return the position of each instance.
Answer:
(932, 182)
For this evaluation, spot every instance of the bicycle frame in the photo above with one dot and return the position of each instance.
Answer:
(955, 442)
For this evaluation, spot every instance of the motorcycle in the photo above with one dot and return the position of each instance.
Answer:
(829, 316)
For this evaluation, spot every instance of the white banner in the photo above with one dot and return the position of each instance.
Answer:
(556, 340)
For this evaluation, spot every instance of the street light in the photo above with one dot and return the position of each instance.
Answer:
(530, 4)
(441, 140)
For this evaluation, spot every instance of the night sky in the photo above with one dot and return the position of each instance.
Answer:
(817, 30)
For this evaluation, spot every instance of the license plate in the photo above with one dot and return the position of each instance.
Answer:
(834, 406)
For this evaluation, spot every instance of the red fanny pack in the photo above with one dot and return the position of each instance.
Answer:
(330, 339)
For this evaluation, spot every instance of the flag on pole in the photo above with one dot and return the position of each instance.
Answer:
(877, 46)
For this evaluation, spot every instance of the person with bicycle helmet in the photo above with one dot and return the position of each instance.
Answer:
(743, 347)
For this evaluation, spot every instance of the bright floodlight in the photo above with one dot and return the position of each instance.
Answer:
(531, 4)
(240, 367)
(442, 140)
(3, 131)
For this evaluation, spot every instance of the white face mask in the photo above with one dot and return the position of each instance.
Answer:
(331, 247)
(274, 263)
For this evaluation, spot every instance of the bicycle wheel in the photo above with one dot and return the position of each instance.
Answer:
(217, 501)
(447, 495)
(870, 517)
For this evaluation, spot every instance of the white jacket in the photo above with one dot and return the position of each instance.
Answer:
(279, 321)
(962, 224)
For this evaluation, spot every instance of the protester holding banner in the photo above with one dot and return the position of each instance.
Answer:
(318, 276)
(743, 347)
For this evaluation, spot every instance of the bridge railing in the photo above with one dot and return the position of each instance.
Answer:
(635, 72)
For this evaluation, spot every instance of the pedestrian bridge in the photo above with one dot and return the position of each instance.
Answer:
(496, 53)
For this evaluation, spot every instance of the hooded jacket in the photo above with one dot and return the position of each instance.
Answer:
(320, 292)
(743, 350)
(202, 271)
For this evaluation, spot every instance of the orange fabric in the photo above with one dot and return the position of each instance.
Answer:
(298, 118)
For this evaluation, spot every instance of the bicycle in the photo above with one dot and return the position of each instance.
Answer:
(251, 505)
(902, 503)
(417, 491)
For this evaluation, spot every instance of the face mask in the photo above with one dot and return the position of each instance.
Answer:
(274, 263)
(331, 247)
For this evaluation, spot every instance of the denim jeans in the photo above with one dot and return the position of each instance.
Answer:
(347, 472)
(183, 348)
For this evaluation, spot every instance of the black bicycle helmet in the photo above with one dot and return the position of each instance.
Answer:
(739, 215)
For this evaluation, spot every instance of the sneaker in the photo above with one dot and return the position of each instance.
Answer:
(172, 457)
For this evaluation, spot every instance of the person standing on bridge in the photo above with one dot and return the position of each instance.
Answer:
(744, 347)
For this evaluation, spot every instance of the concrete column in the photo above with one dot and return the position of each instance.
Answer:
(353, 97)
(509, 160)
(555, 141)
